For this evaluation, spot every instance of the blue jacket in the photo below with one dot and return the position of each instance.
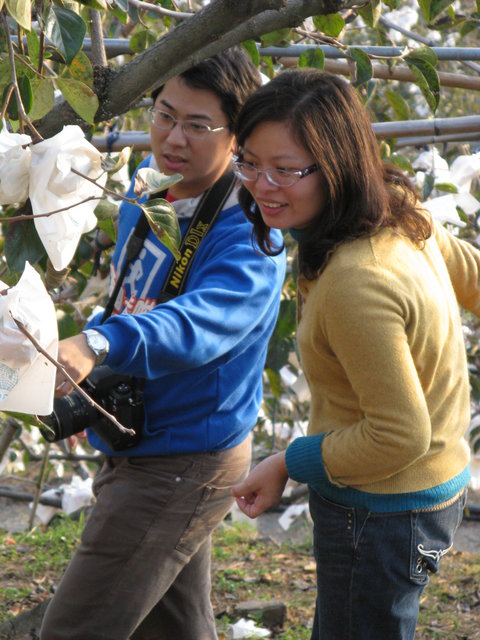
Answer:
(202, 353)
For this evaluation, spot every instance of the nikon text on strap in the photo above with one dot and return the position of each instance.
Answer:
(210, 205)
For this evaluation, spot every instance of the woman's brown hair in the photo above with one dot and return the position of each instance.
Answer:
(326, 116)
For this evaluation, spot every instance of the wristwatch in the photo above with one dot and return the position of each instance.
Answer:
(98, 344)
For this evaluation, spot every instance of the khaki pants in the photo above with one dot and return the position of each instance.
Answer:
(142, 570)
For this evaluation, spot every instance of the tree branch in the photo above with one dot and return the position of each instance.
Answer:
(99, 56)
(190, 42)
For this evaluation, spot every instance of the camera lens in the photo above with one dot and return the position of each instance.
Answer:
(71, 414)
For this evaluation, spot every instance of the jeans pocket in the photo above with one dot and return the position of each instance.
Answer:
(432, 538)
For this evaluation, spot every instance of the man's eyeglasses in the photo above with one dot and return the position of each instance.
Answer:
(276, 177)
(192, 129)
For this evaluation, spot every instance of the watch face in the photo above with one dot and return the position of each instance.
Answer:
(98, 344)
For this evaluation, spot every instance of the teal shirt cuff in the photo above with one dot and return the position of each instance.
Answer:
(304, 460)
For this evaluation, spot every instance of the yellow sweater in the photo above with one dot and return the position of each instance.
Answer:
(382, 348)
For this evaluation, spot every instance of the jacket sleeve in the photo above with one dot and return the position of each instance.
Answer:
(232, 294)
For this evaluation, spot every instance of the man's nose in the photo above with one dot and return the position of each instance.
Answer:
(176, 135)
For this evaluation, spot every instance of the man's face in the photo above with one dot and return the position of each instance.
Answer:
(200, 161)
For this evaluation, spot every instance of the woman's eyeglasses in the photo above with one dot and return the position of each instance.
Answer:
(276, 177)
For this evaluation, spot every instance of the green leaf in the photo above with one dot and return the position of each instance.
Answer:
(398, 104)
(81, 69)
(122, 4)
(112, 164)
(312, 58)
(371, 13)
(467, 27)
(287, 319)
(44, 98)
(101, 5)
(278, 353)
(120, 15)
(433, 8)
(150, 181)
(21, 11)
(141, 39)
(402, 162)
(105, 209)
(280, 36)
(427, 80)
(25, 418)
(66, 30)
(67, 326)
(26, 95)
(428, 186)
(331, 24)
(251, 47)
(364, 71)
(448, 187)
(80, 97)
(33, 44)
(163, 221)
(421, 55)
(392, 4)
(385, 151)
(108, 226)
(275, 382)
(22, 243)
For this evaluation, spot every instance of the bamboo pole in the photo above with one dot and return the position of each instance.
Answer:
(384, 72)
(430, 128)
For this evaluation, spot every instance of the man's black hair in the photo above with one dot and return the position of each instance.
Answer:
(230, 75)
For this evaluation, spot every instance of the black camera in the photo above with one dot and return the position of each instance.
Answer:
(119, 395)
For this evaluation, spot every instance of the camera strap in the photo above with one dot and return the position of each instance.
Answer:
(206, 212)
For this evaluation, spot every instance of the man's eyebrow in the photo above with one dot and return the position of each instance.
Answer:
(192, 116)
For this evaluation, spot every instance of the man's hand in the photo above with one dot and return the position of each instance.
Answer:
(77, 358)
(263, 488)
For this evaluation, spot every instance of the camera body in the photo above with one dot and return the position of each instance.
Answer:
(118, 394)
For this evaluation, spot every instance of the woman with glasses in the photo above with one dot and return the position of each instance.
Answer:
(381, 343)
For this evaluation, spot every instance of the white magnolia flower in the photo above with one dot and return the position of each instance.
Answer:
(14, 166)
(27, 378)
(461, 173)
(53, 186)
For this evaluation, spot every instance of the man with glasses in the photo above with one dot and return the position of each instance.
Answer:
(142, 570)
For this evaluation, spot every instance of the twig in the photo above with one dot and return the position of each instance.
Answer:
(406, 32)
(39, 488)
(32, 216)
(146, 6)
(105, 189)
(62, 369)
(320, 37)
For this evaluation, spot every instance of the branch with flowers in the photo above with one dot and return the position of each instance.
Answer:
(64, 170)
(63, 178)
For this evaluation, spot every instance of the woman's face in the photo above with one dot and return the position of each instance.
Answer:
(272, 146)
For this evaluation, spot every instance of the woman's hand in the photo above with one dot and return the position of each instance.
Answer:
(263, 488)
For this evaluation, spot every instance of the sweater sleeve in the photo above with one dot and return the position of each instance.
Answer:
(232, 294)
(463, 264)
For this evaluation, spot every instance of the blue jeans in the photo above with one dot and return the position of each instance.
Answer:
(373, 567)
